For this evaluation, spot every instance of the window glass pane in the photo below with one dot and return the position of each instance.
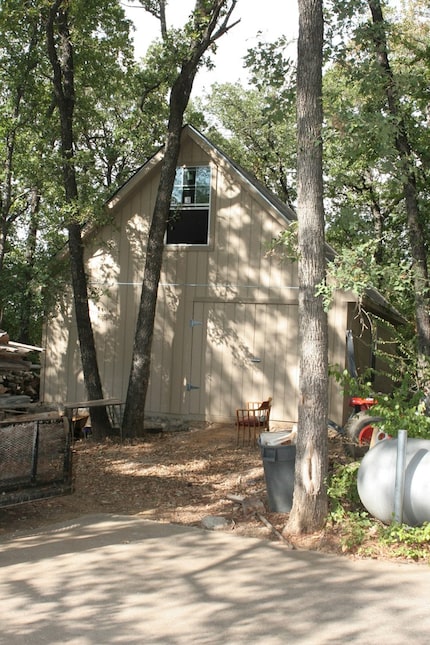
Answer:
(203, 175)
(178, 177)
(202, 195)
(177, 195)
(192, 186)
(203, 184)
(189, 214)
(188, 226)
(189, 176)
(188, 195)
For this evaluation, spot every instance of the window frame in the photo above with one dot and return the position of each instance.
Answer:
(179, 204)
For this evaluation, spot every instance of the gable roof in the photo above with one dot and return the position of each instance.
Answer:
(253, 184)
(211, 149)
(374, 300)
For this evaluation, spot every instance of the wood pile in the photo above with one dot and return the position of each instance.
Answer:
(19, 379)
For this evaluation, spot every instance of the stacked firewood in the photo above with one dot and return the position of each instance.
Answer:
(19, 380)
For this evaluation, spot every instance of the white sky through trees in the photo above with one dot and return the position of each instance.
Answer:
(273, 18)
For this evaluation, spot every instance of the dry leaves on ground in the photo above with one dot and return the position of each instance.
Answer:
(178, 477)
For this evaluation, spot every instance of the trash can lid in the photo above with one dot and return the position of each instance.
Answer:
(274, 438)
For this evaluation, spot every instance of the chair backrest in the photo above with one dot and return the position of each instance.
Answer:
(252, 419)
(266, 405)
(264, 409)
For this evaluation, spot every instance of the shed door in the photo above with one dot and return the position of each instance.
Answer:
(243, 352)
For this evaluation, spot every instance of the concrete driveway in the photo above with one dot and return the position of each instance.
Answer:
(114, 579)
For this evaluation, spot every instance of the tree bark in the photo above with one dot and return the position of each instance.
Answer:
(207, 30)
(133, 422)
(309, 508)
(60, 52)
(134, 413)
(407, 169)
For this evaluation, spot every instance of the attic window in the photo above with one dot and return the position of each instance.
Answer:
(189, 209)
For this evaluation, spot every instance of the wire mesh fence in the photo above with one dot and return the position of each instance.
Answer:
(35, 461)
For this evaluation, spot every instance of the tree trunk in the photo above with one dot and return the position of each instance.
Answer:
(309, 508)
(407, 170)
(60, 53)
(206, 31)
(133, 422)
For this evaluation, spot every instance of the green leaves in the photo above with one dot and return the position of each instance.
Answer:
(257, 125)
(351, 270)
(111, 135)
(365, 176)
(407, 541)
(285, 245)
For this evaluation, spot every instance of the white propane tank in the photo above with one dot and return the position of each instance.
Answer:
(377, 476)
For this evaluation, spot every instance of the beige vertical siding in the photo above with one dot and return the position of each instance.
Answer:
(61, 371)
(338, 325)
(243, 300)
(243, 352)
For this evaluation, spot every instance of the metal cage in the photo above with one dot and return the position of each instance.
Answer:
(35, 461)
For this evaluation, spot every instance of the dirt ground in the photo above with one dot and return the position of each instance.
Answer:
(179, 477)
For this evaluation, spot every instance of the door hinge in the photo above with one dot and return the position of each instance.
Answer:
(190, 387)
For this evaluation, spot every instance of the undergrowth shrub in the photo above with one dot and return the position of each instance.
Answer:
(406, 408)
(359, 532)
(347, 514)
(407, 541)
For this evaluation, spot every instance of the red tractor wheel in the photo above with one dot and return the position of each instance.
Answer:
(358, 430)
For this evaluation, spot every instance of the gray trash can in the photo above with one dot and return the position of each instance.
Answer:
(279, 464)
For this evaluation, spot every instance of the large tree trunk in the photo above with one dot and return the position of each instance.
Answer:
(407, 170)
(133, 422)
(309, 508)
(207, 30)
(60, 53)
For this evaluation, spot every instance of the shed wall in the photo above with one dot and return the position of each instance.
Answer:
(226, 322)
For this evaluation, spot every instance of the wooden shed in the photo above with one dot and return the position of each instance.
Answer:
(226, 328)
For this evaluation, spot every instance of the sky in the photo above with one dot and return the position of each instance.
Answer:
(273, 18)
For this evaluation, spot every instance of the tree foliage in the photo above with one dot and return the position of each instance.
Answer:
(376, 152)
(256, 125)
(112, 137)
